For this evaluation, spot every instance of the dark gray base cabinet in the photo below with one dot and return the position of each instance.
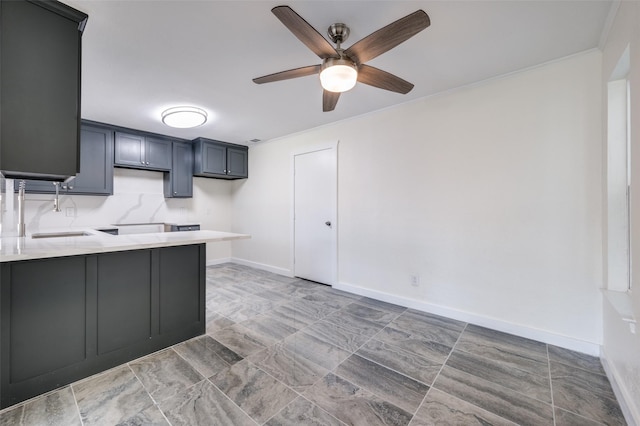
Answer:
(96, 166)
(220, 160)
(63, 319)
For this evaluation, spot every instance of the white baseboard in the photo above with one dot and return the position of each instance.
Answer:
(560, 340)
(481, 320)
(630, 411)
(264, 267)
(212, 262)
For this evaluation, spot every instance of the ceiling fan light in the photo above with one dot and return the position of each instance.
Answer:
(184, 117)
(338, 75)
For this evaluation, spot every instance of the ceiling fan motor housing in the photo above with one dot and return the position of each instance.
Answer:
(338, 33)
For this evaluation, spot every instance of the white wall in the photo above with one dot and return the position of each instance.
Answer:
(621, 347)
(491, 194)
(138, 198)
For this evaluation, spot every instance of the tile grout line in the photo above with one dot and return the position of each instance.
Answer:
(316, 405)
(572, 411)
(376, 362)
(75, 400)
(189, 362)
(332, 371)
(300, 395)
(465, 401)
(231, 400)
(341, 348)
(391, 369)
(266, 372)
(440, 371)
(274, 378)
(153, 400)
(553, 404)
(207, 379)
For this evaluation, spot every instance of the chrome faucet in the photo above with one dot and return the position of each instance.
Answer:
(21, 226)
(56, 201)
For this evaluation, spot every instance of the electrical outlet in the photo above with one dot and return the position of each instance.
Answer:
(70, 212)
(415, 280)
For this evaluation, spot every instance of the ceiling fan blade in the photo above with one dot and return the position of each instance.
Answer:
(377, 78)
(329, 100)
(286, 75)
(305, 32)
(388, 37)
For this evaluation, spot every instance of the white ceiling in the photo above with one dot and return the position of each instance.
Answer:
(141, 57)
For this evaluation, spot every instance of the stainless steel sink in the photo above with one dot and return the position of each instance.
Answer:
(60, 234)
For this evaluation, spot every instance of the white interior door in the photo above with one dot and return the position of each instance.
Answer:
(314, 217)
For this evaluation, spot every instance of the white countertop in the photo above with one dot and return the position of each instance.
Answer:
(25, 248)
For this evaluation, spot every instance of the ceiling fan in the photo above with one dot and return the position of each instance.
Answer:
(340, 68)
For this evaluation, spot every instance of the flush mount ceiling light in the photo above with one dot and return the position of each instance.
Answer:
(338, 75)
(184, 117)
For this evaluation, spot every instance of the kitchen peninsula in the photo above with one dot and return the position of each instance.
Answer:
(72, 306)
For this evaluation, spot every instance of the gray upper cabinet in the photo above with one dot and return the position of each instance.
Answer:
(142, 152)
(40, 64)
(178, 183)
(158, 153)
(96, 162)
(210, 158)
(96, 166)
(237, 162)
(219, 159)
(129, 150)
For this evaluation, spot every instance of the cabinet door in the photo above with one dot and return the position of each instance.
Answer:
(40, 79)
(214, 158)
(158, 154)
(181, 293)
(237, 160)
(96, 162)
(43, 316)
(129, 150)
(123, 321)
(179, 182)
(96, 167)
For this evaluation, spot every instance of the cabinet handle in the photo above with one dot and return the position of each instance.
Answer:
(64, 186)
(142, 162)
(175, 193)
(147, 163)
(70, 187)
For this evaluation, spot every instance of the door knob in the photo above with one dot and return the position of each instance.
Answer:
(328, 223)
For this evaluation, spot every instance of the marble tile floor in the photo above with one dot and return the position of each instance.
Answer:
(282, 351)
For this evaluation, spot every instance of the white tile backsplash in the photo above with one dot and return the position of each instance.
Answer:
(138, 198)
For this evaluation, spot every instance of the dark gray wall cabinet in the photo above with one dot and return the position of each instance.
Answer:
(66, 318)
(219, 159)
(139, 151)
(178, 183)
(40, 63)
(96, 166)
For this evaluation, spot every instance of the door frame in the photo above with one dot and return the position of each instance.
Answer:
(333, 146)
